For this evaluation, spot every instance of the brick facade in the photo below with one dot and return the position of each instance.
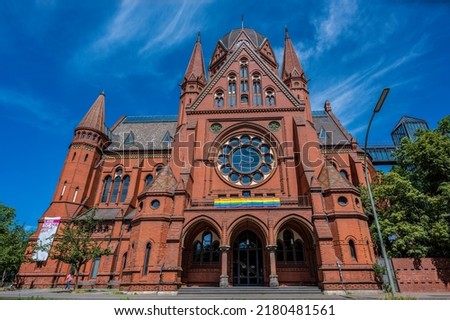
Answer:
(289, 210)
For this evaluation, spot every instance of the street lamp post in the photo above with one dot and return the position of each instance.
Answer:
(374, 211)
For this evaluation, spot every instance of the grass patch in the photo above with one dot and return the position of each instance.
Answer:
(117, 292)
(390, 296)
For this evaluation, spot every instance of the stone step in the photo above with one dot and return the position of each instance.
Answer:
(216, 291)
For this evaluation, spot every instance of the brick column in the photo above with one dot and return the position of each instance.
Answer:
(224, 274)
(273, 278)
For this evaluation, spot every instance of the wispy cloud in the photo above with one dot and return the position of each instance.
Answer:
(175, 26)
(140, 34)
(27, 108)
(126, 25)
(149, 28)
(339, 16)
(354, 95)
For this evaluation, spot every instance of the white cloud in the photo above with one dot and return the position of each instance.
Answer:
(353, 95)
(149, 28)
(125, 25)
(30, 109)
(340, 15)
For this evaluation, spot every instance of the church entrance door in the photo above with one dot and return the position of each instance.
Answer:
(247, 260)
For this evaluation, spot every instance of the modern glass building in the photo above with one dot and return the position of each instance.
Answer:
(407, 127)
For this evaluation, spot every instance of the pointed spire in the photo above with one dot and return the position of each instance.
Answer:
(95, 117)
(196, 67)
(291, 63)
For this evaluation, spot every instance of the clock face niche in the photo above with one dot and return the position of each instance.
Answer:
(245, 160)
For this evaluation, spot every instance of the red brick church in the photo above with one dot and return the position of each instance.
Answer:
(247, 186)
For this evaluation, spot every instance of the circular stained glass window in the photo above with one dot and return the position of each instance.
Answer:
(245, 160)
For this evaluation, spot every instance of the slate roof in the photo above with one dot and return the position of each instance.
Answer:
(254, 36)
(332, 132)
(164, 182)
(143, 133)
(101, 214)
(330, 178)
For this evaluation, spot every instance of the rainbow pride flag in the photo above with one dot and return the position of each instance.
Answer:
(246, 202)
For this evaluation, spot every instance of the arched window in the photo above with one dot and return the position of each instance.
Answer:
(290, 249)
(232, 90)
(74, 155)
(207, 242)
(75, 194)
(270, 97)
(280, 250)
(257, 100)
(215, 251)
(148, 248)
(148, 179)
(126, 183)
(86, 157)
(288, 239)
(344, 174)
(124, 261)
(244, 69)
(244, 86)
(106, 187)
(95, 268)
(64, 188)
(115, 189)
(351, 245)
(206, 251)
(218, 99)
(298, 250)
(197, 251)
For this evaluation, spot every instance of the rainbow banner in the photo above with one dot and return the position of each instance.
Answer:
(246, 202)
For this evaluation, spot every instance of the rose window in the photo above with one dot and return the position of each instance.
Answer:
(245, 160)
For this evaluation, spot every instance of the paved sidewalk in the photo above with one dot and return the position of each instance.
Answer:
(120, 295)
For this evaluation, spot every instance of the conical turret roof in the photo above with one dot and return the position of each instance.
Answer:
(95, 117)
(291, 64)
(196, 67)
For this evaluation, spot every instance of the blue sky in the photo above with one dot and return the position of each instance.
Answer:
(56, 56)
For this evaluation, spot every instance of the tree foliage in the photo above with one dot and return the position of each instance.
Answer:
(74, 244)
(413, 199)
(13, 242)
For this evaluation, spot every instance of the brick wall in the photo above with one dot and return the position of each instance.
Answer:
(424, 275)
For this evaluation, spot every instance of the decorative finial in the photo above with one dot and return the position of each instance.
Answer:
(286, 34)
(327, 106)
(242, 21)
(102, 93)
(198, 37)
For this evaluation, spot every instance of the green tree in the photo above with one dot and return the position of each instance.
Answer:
(74, 244)
(13, 242)
(426, 161)
(413, 199)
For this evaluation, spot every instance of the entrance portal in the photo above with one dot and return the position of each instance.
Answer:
(247, 260)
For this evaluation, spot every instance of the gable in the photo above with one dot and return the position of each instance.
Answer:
(268, 53)
(219, 54)
(205, 101)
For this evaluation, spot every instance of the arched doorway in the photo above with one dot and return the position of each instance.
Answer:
(295, 254)
(248, 267)
(201, 255)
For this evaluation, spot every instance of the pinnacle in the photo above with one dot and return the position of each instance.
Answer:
(196, 66)
(95, 117)
(291, 63)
